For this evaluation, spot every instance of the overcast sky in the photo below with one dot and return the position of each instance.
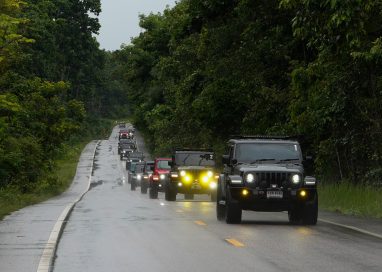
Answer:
(119, 19)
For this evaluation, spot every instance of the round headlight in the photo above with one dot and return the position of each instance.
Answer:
(295, 179)
(210, 174)
(250, 178)
(182, 173)
(162, 176)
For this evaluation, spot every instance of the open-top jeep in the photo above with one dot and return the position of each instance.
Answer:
(266, 174)
(192, 172)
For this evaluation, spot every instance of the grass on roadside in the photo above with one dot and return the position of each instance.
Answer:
(12, 199)
(57, 181)
(351, 199)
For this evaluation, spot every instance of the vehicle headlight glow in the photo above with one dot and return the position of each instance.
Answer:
(162, 176)
(210, 174)
(205, 179)
(187, 178)
(182, 173)
(139, 177)
(296, 179)
(250, 178)
(213, 185)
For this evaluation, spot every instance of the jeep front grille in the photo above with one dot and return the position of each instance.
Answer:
(267, 179)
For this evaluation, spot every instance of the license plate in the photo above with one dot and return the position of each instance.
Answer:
(274, 194)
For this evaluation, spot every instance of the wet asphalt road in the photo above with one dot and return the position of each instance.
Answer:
(115, 229)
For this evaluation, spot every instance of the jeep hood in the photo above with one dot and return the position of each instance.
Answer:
(195, 168)
(289, 168)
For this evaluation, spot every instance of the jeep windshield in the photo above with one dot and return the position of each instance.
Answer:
(268, 152)
(127, 146)
(194, 159)
(149, 167)
(164, 165)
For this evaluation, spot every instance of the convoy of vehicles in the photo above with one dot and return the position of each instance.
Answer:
(261, 173)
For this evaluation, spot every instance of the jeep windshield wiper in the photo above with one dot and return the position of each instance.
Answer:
(261, 160)
(288, 160)
(185, 159)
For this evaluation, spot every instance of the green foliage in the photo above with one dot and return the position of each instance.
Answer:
(206, 69)
(52, 84)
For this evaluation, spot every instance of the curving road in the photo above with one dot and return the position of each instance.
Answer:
(115, 229)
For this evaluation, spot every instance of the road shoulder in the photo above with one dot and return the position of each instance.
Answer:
(29, 229)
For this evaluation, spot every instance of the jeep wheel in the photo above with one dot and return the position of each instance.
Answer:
(213, 196)
(233, 211)
(310, 213)
(189, 196)
(143, 188)
(153, 192)
(133, 186)
(220, 208)
(295, 215)
(169, 194)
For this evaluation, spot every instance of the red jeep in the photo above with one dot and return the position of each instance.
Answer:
(158, 179)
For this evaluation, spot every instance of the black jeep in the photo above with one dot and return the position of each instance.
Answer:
(137, 175)
(126, 146)
(192, 172)
(266, 174)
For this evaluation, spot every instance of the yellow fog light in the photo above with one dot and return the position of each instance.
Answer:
(187, 178)
(244, 192)
(303, 193)
(205, 179)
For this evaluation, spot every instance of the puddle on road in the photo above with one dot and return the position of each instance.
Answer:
(95, 184)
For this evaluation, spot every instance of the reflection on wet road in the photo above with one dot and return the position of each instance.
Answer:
(115, 229)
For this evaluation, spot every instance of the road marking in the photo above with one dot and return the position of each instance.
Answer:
(235, 242)
(352, 228)
(200, 223)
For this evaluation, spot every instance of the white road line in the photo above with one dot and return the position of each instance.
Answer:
(352, 228)
(47, 258)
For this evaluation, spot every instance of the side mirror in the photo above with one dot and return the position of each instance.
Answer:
(308, 158)
(225, 159)
(310, 180)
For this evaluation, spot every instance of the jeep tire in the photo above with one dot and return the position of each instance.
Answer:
(310, 212)
(133, 185)
(169, 193)
(213, 196)
(233, 211)
(143, 188)
(153, 193)
(295, 215)
(220, 208)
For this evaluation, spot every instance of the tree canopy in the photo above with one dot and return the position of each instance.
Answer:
(203, 70)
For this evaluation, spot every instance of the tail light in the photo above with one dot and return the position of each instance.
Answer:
(155, 177)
